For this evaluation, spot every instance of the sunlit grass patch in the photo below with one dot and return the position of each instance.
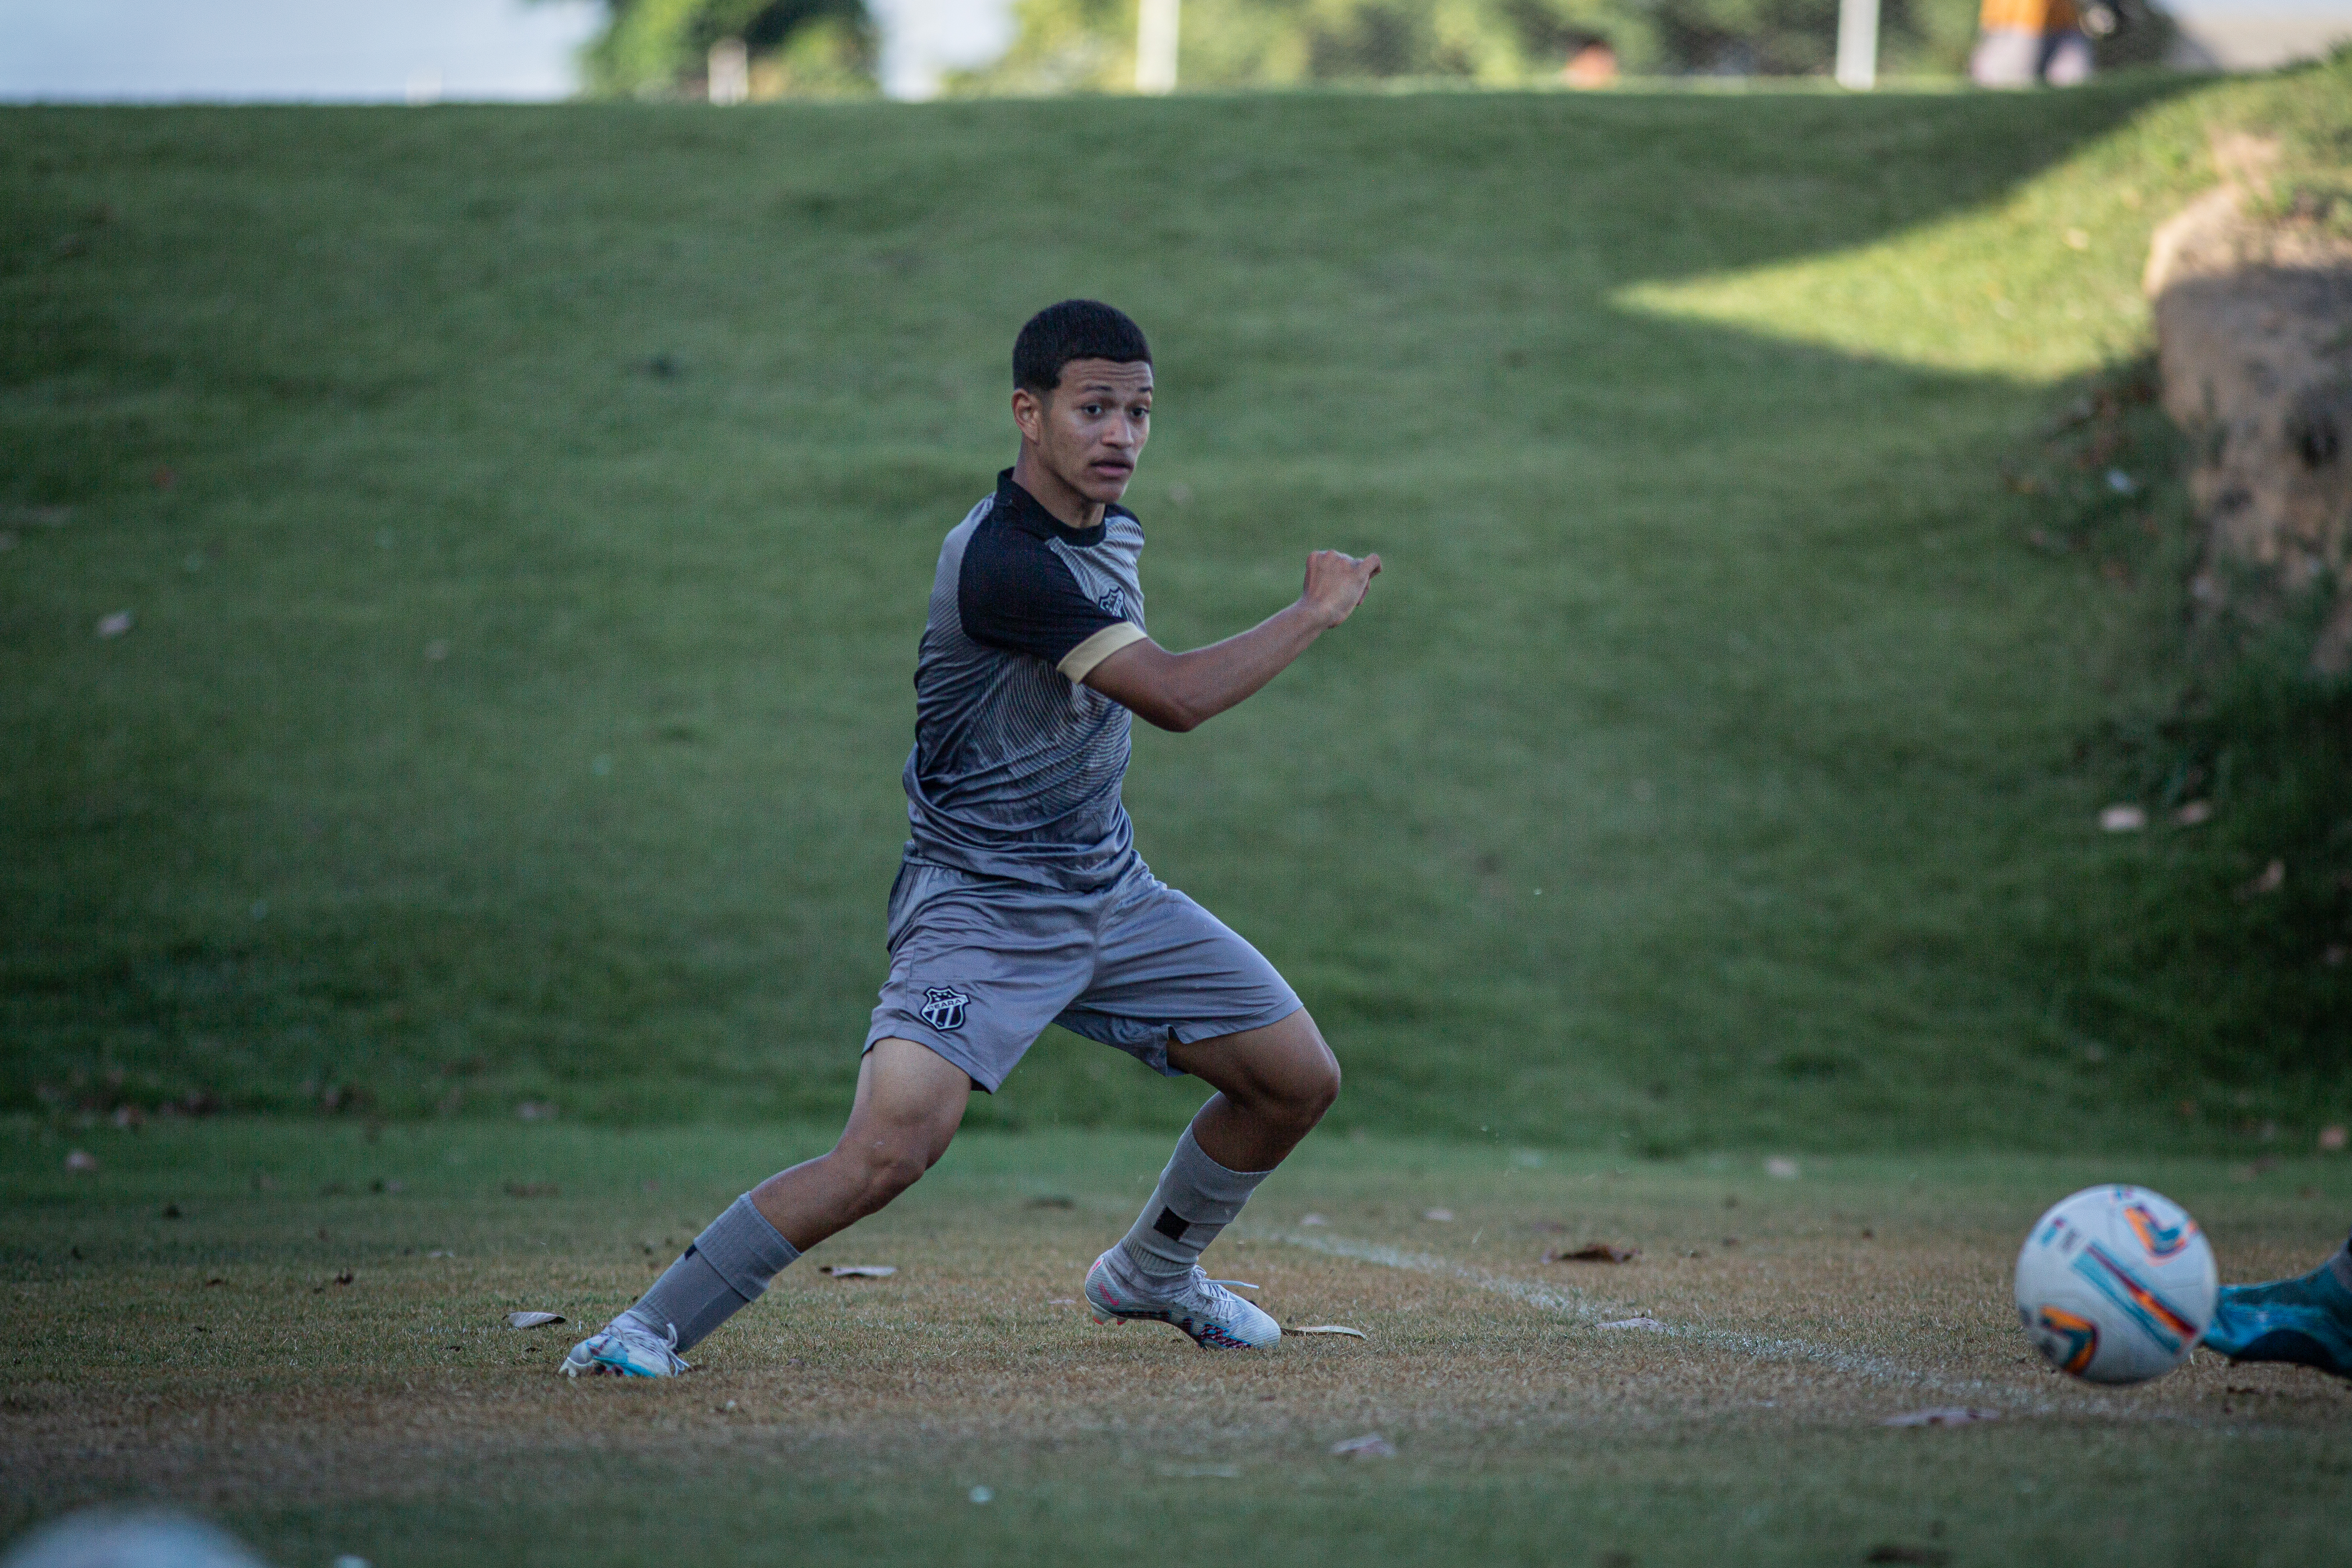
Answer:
(2037, 283)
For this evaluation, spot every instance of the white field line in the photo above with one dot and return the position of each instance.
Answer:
(1590, 1310)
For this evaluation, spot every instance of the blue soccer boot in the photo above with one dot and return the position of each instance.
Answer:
(2307, 1320)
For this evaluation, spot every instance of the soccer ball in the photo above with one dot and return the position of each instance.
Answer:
(2116, 1285)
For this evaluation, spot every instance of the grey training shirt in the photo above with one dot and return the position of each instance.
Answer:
(1016, 767)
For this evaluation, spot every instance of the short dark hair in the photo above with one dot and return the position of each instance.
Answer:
(1075, 329)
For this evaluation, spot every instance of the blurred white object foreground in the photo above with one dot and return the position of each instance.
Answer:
(114, 1538)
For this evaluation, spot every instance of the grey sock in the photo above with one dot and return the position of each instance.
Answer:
(1195, 1199)
(726, 1269)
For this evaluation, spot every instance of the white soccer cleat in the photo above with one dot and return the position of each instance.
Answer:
(623, 1349)
(1216, 1318)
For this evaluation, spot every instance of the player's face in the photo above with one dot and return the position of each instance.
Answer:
(1091, 429)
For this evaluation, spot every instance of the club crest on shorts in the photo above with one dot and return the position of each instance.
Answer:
(943, 1007)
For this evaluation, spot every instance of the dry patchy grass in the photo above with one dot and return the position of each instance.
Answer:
(218, 1358)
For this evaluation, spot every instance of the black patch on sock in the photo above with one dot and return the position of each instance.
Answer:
(1170, 1224)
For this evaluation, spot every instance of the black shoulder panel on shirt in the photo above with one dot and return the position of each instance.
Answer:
(1014, 594)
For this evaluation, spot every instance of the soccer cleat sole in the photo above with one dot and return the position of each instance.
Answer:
(1207, 1339)
(615, 1369)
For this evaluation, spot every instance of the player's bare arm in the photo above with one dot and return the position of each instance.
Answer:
(1180, 691)
(1079, 447)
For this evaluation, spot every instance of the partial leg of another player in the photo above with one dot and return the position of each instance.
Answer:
(909, 1102)
(2307, 1320)
(1272, 1086)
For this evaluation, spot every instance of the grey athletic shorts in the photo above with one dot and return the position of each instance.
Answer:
(980, 965)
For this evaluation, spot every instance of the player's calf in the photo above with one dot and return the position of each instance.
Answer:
(908, 1104)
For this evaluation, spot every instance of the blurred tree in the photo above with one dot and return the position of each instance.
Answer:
(661, 48)
(1089, 45)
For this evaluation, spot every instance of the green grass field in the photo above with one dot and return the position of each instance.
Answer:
(303, 1333)
(524, 518)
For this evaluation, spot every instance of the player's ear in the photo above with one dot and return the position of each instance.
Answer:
(1029, 414)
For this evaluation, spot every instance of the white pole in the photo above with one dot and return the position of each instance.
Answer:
(1155, 46)
(730, 65)
(1857, 54)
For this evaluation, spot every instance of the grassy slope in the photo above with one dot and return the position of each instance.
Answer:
(1701, 774)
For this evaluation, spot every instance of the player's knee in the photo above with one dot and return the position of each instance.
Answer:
(887, 1167)
(1320, 1091)
(1301, 1101)
(895, 1172)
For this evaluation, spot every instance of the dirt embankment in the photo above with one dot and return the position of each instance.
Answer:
(2254, 315)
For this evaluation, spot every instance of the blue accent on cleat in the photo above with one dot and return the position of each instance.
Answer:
(622, 1349)
(2306, 1320)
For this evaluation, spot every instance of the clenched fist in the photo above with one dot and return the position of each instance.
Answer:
(1336, 583)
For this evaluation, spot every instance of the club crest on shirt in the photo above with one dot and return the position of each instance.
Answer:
(1113, 601)
(943, 1007)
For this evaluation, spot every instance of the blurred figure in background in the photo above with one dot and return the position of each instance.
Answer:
(2022, 42)
(1591, 67)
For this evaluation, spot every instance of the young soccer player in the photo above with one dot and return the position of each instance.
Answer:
(1021, 901)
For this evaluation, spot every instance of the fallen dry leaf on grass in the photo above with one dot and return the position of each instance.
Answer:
(2196, 813)
(115, 624)
(533, 1320)
(1595, 1252)
(2122, 819)
(1440, 1215)
(1780, 1167)
(859, 1271)
(1329, 1329)
(1941, 1415)
(2331, 1139)
(81, 1160)
(1370, 1446)
(2272, 877)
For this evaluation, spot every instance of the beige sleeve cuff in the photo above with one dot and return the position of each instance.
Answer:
(1080, 661)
